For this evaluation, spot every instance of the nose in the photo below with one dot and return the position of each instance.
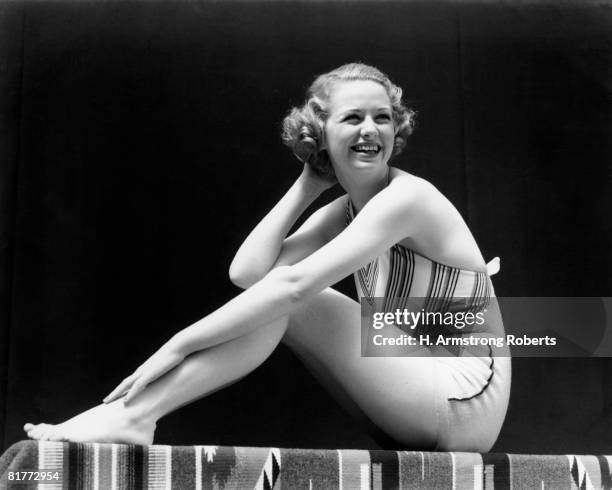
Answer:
(368, 128)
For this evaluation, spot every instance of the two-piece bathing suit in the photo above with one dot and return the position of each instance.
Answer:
(472, 383)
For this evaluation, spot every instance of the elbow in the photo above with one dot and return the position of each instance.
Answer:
(242, 277)
(241, 282)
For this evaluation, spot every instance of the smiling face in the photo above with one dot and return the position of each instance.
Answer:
(359, 131)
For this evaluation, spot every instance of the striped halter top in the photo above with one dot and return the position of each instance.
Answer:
(401, 275)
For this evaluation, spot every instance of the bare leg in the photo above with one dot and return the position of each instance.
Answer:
(199, 375)
(397, 394)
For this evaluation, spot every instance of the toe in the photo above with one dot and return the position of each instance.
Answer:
(38, 431)
(44, 433)
(34, 434)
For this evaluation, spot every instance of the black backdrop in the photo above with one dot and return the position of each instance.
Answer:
(139, 143)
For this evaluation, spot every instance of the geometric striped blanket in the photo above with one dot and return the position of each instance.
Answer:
(119, 466)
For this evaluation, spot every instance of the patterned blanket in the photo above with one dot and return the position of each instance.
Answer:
(117, 466)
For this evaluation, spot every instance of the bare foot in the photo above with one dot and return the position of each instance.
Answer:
(111, 422)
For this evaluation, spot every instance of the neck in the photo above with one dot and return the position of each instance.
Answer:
(361, 191)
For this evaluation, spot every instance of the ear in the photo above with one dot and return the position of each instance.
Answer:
(323, 145)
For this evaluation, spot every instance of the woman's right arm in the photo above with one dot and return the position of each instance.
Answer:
(266, 246)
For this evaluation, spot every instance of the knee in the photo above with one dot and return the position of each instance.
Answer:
(270, 335)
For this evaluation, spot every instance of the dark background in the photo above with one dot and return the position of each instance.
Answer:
(139, 143)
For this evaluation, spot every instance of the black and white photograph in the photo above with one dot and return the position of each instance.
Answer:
(325, 244)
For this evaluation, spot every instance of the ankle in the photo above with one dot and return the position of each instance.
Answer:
(138, 414)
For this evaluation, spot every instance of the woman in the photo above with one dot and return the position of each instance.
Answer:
(390, 224)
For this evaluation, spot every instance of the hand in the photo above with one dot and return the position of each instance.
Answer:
(166, 358)
(314, 182)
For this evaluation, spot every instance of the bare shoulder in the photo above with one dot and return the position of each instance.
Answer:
(438, 230)
(412, 192)
(422, 204)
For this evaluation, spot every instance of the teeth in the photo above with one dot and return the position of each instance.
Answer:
(366, 147)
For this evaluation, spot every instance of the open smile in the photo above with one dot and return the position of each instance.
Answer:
(367, 148)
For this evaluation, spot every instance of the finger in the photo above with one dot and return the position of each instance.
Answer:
(145, 379)
(136, 388)
(117, 392)
(121, 389)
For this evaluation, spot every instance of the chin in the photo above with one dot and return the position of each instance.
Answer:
(368, 164)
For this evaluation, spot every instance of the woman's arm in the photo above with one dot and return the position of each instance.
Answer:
(262, 248)
(385, 220)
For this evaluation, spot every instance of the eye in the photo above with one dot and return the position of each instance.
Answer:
(383, 117)
(350, 118)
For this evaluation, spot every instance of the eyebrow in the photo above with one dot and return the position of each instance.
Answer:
(355, 109)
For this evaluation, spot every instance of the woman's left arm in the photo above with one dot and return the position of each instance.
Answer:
(386, 219)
